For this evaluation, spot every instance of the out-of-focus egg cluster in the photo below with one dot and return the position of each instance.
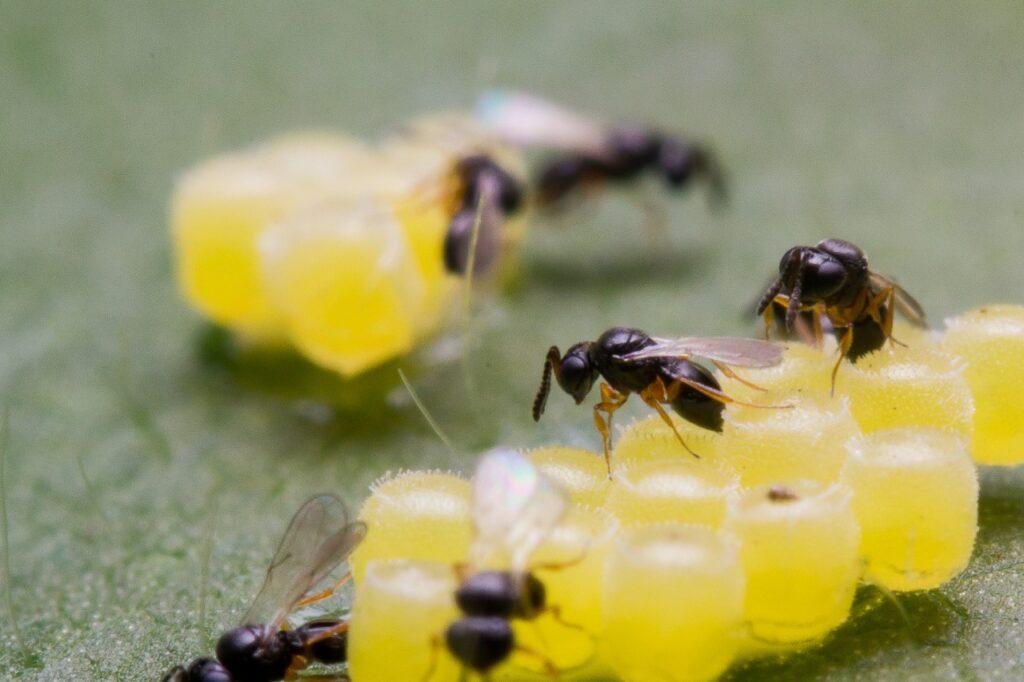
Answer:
(328, 244)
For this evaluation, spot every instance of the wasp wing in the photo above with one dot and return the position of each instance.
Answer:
(527, 120)
(905, 303)
(515, 508)
(729, 350)
(319, 537)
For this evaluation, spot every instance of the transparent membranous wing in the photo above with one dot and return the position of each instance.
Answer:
(728, 350)
(319, 537)
(515, 507)
(905, 303)
(526, 120)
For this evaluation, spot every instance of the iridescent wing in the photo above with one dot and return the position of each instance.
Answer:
(515, 508)
(319, 537)
(729, 350)
(526, 120)
(905, 303)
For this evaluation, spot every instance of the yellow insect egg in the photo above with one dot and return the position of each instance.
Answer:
(916, 499)
(805, 440)
(399, 617)
(571, 564)
(415, 515)
(673, 600)
(672, 489)
(343, 277)
(581, 473)
(799, 545)
(804, 369)
(220, 209)
(896, 387)
(991, 341)
(651, 438)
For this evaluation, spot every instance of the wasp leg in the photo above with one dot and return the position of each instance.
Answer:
(435, 652)
(611, 400)
(338, 629)
(888, 295)
(324, 594)
(654, 395)
(555, 612)
(844, 347)
(550, 669)
(811, 336)
(716, 394)
(298, 663)
(819, 334)
(769, 321)
(728, 371)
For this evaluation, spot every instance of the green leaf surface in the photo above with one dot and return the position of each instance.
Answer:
(150, 469)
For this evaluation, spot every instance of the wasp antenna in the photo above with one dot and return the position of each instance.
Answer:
(769, 296)
(551, 363)
(794, 296)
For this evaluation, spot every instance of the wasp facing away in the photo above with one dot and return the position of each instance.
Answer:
(262, 649)
(661, 371)
(830, 285)
(515, 508)
(591, 153)
(487, 193)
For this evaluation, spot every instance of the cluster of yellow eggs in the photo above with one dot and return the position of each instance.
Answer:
(678, 567)
(328, 244)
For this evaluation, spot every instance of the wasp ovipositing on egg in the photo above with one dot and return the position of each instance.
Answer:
(830, 286)
(488, 193)
(591, 154)
(514, 509)
(660, 371)
(262, 649)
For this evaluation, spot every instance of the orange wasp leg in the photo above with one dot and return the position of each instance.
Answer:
(550, 669)
(727, 371)
(338, 629)
(654, 395)
(889, 296)
(611, 400)
(769, 320)
(844, 347)
(435, 652)
(720, 396)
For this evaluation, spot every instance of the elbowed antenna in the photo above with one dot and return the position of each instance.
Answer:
(551, 363)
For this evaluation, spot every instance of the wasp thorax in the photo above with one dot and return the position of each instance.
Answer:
(250, 654)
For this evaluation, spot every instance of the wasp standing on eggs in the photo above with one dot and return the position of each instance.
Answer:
(488, 190)
(660, 371)
(832, 283)
(319, 537)
(515, 508)
(591, 153)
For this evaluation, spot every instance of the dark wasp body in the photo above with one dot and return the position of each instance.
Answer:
(660, 371)
(318, 539)
(483, 637)
(480, 179)
(829, 286)
(628, 153)
(249, 653)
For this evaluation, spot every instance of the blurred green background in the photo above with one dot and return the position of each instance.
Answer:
(146, 486)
